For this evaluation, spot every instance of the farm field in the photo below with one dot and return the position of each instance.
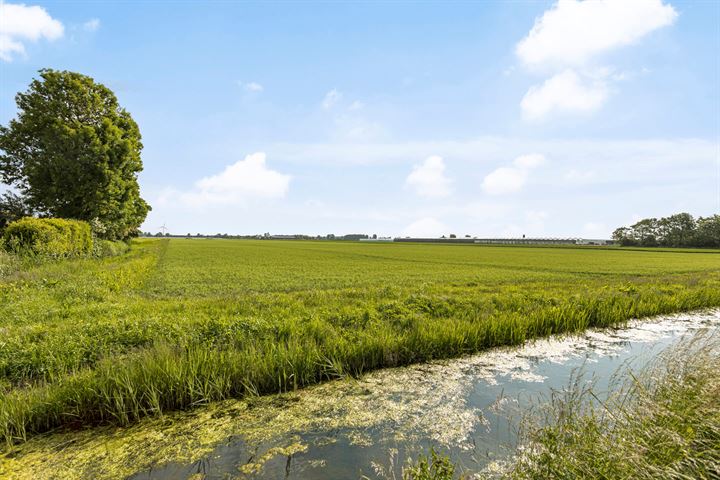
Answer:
(179, 323)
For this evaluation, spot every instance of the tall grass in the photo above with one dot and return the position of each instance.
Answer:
(664, 423)
(168, 377)
(8, 263)
(111, 341)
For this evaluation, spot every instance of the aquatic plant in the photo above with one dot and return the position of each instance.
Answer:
(430, 467)
(433, 466)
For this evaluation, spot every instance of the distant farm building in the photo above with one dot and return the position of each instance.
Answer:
(528, 241)
(591, 241)
(435, 240)
(510, 241)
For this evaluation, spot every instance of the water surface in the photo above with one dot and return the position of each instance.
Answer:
(468, 407)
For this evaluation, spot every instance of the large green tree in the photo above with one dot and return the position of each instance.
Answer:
(12, 207)
(679, 230)
(73, 152)
(708, 232)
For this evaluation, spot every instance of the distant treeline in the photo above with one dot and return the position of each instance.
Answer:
(680, 230)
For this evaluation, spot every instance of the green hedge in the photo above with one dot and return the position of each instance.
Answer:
(51, 237)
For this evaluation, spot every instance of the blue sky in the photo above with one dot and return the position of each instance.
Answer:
(484, 118)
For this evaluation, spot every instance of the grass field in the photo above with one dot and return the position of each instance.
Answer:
(178, 323)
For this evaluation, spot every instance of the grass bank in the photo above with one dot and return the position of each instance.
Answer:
(664, 423)
(661, 422)
(171, 325)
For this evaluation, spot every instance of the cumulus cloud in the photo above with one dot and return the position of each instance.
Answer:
(569, 37)
(565, 92)
(22, 23)
(91, 25)
(245, 179)
(331, 99)
(505, 180)
(425, 227)
(428, 178)
(572, 31)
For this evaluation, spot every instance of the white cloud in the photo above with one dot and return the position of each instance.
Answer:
(505, 180)
(92, 25)
(565, 92)
(245, 179)
(572, 32)
(428, 178)
(645, 157)
(9, 47)
(331, 99)
(425, 227)
(656, 177)
(20, 23)
(251, 86)
(569, 37)
(531, 160)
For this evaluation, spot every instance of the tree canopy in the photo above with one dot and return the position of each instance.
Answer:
(680, 230)
(12, 207)
(73, 152)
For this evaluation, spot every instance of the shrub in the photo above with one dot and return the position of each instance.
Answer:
(109, 248)
(51, 237)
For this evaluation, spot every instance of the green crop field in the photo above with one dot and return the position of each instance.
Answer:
(178, 323)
